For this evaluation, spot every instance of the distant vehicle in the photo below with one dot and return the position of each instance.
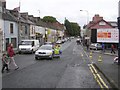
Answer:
(78, 41)
(48, 43)
(28, 46)
(95, 46)
(66, 39)
(72, 37)
(63, 40)
(45, 51)
(59, 42)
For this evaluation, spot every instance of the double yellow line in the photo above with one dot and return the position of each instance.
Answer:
(97, 77)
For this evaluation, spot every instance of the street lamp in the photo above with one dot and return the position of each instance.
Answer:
(87, 15)
(86, 40)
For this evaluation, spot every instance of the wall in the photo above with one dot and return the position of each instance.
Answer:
(7, 32)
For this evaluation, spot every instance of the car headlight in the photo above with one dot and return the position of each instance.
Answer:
(50, 53)
(36, 52)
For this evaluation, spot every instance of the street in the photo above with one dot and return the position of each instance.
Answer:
(69, 71)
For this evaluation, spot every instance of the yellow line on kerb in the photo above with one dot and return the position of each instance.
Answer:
(102, 81)
(97, 77)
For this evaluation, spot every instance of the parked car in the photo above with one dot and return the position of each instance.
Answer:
(28, 46)
(66, 39)
(95, 46)
(45, 51)
(48, 43)
(63, 40)
(59, 42)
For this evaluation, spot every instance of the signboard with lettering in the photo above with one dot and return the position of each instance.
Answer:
(107, 35)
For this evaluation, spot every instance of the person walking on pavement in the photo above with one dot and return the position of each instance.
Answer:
(103, 47)
(87, 45)
(11, 54)
(112, 49)
(4, 63)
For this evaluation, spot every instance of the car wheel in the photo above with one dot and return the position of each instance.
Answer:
(52, 56)
(36, 58)
(19, 52)
(32, 51)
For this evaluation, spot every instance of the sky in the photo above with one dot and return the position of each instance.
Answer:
(70, 9)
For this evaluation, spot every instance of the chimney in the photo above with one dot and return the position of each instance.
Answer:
(24, 15)
(36, 19)
(97, 18)
(3, 3)
(15, 13)
(31, 17)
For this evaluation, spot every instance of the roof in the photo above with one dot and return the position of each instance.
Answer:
(92, 24)
(8, 16)
(113, 23)
(56, 26)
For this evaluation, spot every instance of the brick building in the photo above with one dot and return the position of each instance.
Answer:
(99, 23)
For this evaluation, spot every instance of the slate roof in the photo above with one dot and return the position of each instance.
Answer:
(8, 16)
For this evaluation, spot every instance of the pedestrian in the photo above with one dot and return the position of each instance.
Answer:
(11, 54)
(103, 47)
(112, 49)
(5, 63)
(87, 45)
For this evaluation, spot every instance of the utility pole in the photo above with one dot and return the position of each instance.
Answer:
(118, 20)
(39, 12)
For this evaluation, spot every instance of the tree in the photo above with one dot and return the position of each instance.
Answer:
(68, 27)
(72, 29)
(49, 19)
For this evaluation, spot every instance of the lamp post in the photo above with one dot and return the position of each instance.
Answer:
(87, 15)
(86, 40)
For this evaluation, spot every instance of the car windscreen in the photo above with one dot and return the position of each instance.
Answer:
(26, 42)
(46, 48)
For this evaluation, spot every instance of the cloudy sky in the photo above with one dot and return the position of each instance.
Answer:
(69, 9)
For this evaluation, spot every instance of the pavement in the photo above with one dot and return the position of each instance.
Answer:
(108, 68)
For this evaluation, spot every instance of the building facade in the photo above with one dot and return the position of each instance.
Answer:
(98, 25)
(10, 30)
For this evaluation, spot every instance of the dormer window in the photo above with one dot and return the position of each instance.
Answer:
(102, 23)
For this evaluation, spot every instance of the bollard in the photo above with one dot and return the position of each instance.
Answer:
(90, 56)
(99, 59)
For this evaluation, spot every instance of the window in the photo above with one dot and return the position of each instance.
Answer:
(102, 23)
(14, 42)
(11, 28)
(25, 29)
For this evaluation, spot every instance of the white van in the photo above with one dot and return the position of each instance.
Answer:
(29, 46)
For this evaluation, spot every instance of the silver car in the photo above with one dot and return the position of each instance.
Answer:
(95, 46)
(45, 51)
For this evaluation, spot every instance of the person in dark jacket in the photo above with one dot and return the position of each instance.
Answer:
(11, 54)
(4, 63)
(112, 49)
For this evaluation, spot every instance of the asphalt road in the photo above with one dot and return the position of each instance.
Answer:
(69, 71)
